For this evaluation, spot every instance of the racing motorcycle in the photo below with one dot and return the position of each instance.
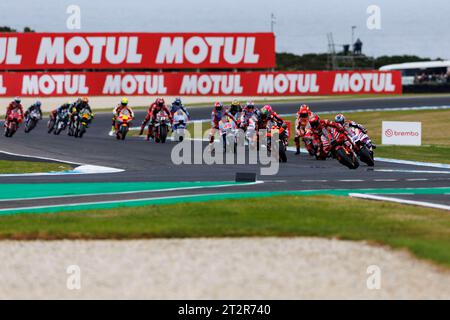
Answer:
(123, 124)
(80, 123)
(308, 140)
(251, 132)
(363, 146)
(342, 149)
(12, 123)
(179, 125)
(228, 130)
(31, 120)
(60, 124)
(282, 134)
(161, 127)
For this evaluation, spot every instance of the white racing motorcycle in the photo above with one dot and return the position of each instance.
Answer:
(228, 131)
(31, 120)
(179, 125)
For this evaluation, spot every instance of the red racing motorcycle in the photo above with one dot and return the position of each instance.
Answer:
(342, 149)
(12, 123)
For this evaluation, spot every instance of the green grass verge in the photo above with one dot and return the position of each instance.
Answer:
(31, 167)
(424, 232)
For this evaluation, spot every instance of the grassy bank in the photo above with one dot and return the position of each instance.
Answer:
(31, 167)
(424, 232)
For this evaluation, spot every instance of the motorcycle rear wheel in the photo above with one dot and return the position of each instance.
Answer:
(366, 156)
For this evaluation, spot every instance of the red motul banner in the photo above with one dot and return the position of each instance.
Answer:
(198, 84)
(74, 51)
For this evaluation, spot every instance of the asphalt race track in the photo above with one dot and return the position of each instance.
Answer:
(148, 161)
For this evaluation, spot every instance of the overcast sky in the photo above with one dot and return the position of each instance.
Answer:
(407, 27)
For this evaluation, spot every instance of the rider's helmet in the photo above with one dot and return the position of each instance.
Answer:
(85, 99)
(124, 102)
(218, 106)
(160, 102)
(177, 102)
(17, 100)
(314, 121)
(266, 110)
(304, 111)
(38, 103)
(340, 119)
(235, 106)
(250, 105)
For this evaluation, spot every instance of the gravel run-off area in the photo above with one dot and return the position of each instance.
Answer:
(237, 268)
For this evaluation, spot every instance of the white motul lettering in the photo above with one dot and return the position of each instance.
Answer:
(113, 56)
(97, 43)
(189, 84)
(133, 56)
(341, 82)
(2, 88)
(51, 52)
(236, 56)
(250, 55)
(196, 50)
(71, 53)
(54, 84)
(12, 57)
(265, 83)
(216, 44)
(170, 51)
(134, 84)
(30, 85)
(112, 84)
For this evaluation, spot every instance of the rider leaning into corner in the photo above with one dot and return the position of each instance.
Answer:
(34, 107)
(60, 110)
(152, 113)
(322, 136)
(248, 112)
(178, 105)
(77, 106)
(217, 114)
(121, 107)
(266, 115)
(301, 125)
(348, 125)
(14, 106)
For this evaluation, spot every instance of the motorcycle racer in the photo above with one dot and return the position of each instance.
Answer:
(322, 136)
(152, 112)
(34, 107)
(248, 113)
(178, 105)
(217, 115)
(14, 106)
(301, 125)
(122, 106)
(77, 106)
(348, 124)
(235, 109)
(267, 115)
(60, 110)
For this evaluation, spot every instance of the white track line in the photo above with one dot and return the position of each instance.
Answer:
(398, 200)
(132, 192)
(37, 157)
(81, 169)
(415, 163)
